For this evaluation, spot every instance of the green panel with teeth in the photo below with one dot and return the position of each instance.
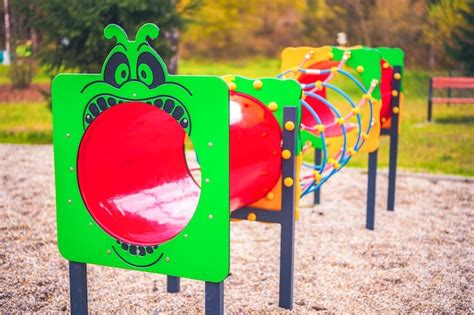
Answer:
(200, 105)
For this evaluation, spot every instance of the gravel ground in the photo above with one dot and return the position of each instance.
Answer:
(419, 259)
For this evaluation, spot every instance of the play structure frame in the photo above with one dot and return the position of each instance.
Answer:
(392, 132)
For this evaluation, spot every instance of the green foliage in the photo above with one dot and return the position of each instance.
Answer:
(23, 68)
(72, 31)
(21, 73)
(445, 17)
(463, 39)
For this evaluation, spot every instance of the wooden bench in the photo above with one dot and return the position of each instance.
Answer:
(449, 83)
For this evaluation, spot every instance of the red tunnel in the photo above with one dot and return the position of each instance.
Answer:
(134, 178)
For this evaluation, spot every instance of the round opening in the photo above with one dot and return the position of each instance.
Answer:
(133, 175)
(255, 150)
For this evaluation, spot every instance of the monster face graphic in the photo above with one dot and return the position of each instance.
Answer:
(130, 199)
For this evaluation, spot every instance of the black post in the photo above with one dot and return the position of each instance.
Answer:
(372, 178)
(78, 288)
(392, 170)
(214, 298)
(287, 240)
(317, 160)
(430, 102)
(172, 284)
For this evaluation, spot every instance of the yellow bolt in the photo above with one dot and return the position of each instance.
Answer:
(288, 181)
(294, 69)
(270, 195)
(257, 84)
(365, 136)
(317, 177)
(385, 65)
(340, 121)
(351, 151)
(360, 69)
(273, 106)
(394, 93)
(333, 70)
(251, 216)
(330, 56)
(395, 110)
(397, 76)
(318, 84)
(286, 154)
(367, 96)
(355, 110)
(303, 95)
(320, 128)
(336, 165)
(232, 86)
(289, 125)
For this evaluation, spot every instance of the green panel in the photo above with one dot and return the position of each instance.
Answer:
(201, 250)
(284, 92)
(369, 59)
(394, 56)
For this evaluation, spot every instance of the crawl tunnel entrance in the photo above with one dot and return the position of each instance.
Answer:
(135, 180)
(133, 175)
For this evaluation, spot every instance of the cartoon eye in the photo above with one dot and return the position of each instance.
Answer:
(117, 70)
(150, 70)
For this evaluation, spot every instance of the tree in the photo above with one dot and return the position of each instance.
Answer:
(71, 31)
(444, 17)
(462, 46)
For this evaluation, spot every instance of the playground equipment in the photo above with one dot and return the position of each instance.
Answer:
(314, 68)
(127, 193)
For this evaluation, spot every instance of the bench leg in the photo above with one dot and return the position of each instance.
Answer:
(430, 110)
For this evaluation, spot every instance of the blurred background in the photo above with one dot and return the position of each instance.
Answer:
(40, 38)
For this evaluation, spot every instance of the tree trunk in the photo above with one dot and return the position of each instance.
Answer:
(6, 59)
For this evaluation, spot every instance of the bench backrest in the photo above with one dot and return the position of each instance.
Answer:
(453, 82)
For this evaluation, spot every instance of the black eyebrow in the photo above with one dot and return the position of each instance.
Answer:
(120, 44)
(138, 48)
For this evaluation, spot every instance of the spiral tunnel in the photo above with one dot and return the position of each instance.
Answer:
(134, 178)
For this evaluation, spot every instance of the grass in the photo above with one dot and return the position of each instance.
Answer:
(25, 123)
(41, 76)
(444, 146)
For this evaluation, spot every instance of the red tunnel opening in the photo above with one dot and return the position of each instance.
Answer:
(136, 183)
